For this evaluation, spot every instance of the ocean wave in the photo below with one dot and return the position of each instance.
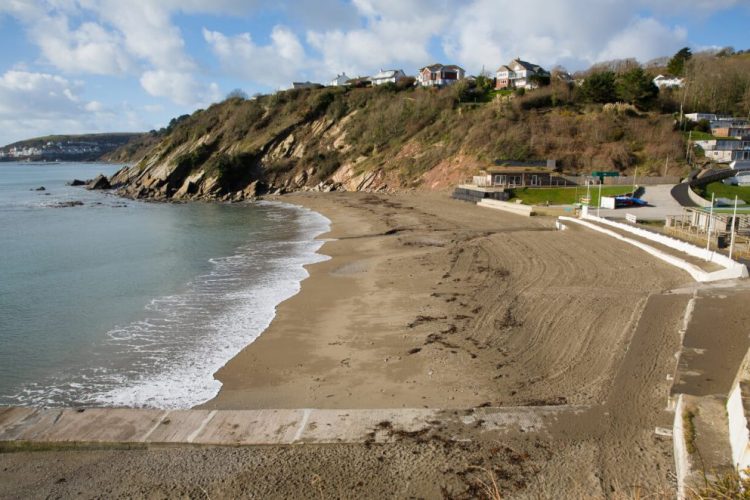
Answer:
(168, 358)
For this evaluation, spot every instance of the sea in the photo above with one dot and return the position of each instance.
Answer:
(123, 303)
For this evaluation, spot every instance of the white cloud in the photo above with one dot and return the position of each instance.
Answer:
(33, 104)
(644, 39)
(182, 88)
(275, 64)
(396, 35)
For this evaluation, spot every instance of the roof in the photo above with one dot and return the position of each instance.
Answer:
(521, 163)
(387, 73)
(524, 64)
(518, 169)
(438, 67)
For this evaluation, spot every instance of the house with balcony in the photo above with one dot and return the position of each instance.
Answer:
(519, 74)
(725, 150)
(438, 75)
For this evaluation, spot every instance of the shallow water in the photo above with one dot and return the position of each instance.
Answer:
(124, 303)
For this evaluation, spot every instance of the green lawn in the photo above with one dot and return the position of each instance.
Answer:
(721, 190)
(565, 196)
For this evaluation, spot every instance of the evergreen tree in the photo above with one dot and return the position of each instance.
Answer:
(599, 87)
(676, 65)
(635, 87)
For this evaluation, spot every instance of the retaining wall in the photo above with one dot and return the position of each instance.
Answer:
(698, 199)
(515, 208)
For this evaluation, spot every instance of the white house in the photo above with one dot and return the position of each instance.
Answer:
(438, 75)
(339, 81)
(668, 81)
(519, 74)
(697, 117)
(387, 76)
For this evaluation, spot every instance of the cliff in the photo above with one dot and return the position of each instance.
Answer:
(386, 138)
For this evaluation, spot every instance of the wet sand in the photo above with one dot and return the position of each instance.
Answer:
(433, 302)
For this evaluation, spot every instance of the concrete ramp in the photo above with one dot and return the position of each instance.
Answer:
(19, 426)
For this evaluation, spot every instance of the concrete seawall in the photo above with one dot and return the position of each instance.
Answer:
(23, 426)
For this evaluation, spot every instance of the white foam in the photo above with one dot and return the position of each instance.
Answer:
(185, 377)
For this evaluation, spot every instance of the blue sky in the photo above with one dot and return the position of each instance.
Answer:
(74, 66)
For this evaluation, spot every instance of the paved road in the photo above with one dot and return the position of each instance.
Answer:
(660, 200)
(680, 193)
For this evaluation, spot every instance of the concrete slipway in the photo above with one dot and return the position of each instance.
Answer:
(22, 426)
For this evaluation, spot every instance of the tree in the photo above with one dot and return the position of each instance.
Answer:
(636, 87)
(599, 87)
(237, 94)
(676, 65)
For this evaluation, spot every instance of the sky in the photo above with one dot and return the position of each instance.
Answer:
(81, 66)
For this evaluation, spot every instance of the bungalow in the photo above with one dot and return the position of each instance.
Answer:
(668, 81)
(438, 75)
(509, 174)
(519, 74)
(387, 76)
(339, 81)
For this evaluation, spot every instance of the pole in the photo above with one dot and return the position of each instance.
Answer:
(635, 174)
(734, 219)
(666, 164)
(599, 205)
(708, 229)
(687, 149)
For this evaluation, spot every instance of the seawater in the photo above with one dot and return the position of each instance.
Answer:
(126, 303)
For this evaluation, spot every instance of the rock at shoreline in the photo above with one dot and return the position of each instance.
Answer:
(41, 188)
(65, 204)
(100, 182)
(76, 182)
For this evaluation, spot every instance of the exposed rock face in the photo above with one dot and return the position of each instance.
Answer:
(99, 182)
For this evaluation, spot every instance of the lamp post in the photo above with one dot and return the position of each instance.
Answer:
(710, 226)
(599, 204)
(734, 219)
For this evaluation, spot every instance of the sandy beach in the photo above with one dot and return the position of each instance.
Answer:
(431, 302)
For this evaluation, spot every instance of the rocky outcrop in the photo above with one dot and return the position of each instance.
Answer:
(76, 182)
(99, 182)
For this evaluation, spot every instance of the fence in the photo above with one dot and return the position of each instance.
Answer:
(623, 180)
